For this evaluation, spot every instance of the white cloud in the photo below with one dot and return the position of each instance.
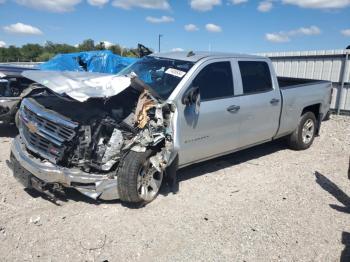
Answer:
(345, 32)
(147, 4)
(265, 6)
(312, 30)
(213, 28)
(98, 3)
(191, 28)
(58, 6)
(158, 20)
(20, 28)
(2, 1)
(204, 5)
(277, 38)
(2, 44)
(237, 2)
(319, 4)
(177, 49)
(285, 36)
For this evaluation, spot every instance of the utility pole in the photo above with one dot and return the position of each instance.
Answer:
(159, 36)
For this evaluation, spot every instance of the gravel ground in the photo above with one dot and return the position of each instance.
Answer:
(267, 203)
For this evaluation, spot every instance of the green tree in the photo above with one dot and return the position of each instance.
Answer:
(54, 48)
(3, 53)
(100, 46)
(45, 56)
(30, 52)
(12, 54)
(36, 52)
(87, 45)
(116, 49)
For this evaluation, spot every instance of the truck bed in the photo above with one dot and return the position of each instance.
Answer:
(298, 94)
(289, 82)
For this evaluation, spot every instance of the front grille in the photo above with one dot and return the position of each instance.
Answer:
(45, 132)
(59, 132)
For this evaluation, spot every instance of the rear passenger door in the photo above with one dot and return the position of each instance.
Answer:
(260, 102)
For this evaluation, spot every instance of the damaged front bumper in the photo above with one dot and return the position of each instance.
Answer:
(96, 186)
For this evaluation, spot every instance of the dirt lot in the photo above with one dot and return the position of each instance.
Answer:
(263, 204)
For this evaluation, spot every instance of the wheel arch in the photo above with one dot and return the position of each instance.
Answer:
(316, 110)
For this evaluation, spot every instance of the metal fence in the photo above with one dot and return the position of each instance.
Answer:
(331, 65)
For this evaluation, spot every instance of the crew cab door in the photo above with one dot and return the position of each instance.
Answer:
(260, 102)
(212, 127)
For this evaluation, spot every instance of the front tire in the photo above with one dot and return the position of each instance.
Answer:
(303, 137)
(138, 180)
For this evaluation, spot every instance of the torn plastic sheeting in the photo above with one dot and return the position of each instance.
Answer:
(92, 61)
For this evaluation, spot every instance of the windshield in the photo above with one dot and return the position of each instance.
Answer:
(162, 74)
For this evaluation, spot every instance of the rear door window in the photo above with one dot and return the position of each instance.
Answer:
(215, 81)
(256, 76)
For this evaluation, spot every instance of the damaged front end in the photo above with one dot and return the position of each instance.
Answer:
(79, 140)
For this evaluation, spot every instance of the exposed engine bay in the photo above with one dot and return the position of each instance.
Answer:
(105, 128)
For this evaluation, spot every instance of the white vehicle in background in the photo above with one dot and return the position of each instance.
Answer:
(13, 87)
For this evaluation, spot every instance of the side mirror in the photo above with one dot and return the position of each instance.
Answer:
(191, 96)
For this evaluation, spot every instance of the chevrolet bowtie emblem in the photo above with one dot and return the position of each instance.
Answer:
(32, 127)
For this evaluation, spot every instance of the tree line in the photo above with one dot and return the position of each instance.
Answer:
(41, 53)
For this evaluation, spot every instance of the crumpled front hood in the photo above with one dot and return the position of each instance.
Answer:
(80, 85)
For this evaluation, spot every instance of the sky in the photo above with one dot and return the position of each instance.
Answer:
(244, 26)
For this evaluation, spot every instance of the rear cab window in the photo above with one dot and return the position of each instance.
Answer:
(215, 81)
(256, 77)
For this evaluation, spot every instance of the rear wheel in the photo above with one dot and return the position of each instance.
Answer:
(138, 180)
(303, 137)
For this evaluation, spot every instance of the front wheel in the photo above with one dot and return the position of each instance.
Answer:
(303, 137)
(138, 180)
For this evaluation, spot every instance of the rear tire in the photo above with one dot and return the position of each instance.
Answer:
(138, 181)
(303, 137)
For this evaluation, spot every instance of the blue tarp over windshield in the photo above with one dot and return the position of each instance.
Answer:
(92, 61)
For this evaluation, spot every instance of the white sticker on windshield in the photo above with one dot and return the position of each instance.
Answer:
(2, 75)
(175, 72)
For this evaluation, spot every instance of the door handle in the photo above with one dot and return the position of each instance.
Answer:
(274, 101)
(233, 109)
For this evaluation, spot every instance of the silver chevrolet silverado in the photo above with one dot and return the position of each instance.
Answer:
(121, 136)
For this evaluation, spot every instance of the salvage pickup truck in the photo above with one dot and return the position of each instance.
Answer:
(120, 136)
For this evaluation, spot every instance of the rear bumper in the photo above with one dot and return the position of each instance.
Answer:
(92, 185)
